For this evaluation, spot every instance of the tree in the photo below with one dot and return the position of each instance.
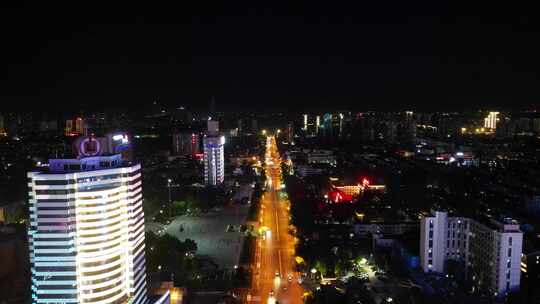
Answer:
(168, 254)
(320, 266)
(190, 245)
(327, 294)
(178, 208)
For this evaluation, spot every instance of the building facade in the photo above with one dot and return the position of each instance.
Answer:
(214, 160)
(86, 232)
(321, 157)
(490, 252)
(186, 143)
(214, 155)
(490, 122)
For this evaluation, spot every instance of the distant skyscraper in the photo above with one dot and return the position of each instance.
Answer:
(75, 127)
(364, 127)
(68, 131)
(185, 143)
(305, 126)
(328, 125)
(536, 125)
(86, 232)
(239, 126)
(337, 124)
(79, 125)
(3, 131)
(409, 116)
(490, 253)
(317, 123)
(254, 126)
(490, 121)
(214, 158)
(212, 127)
(290, 132)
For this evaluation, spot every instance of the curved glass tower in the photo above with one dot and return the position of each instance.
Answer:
(87, 232)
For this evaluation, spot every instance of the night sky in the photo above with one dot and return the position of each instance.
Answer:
(391, 56)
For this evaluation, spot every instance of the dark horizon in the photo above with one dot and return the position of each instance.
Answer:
(300, 58)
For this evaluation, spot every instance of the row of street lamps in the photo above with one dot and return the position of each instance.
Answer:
(264, 132)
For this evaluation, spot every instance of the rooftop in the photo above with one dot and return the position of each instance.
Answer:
(90, 163)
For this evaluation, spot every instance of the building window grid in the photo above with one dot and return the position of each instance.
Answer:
(481, 243)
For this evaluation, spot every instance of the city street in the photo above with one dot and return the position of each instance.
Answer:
(274, 278)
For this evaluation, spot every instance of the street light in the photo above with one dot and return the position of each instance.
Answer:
(169, 181)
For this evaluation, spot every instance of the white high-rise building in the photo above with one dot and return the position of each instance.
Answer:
(214, 158)
(490, 121)
(490, 252)
(86, 233)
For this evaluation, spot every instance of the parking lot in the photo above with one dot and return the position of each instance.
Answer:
(209, 231)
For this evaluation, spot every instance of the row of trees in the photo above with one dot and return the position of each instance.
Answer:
(192, 201)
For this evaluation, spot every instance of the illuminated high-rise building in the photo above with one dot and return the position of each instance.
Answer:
(214, 158)
(68, 130)
(409, 115)
(305, 122)
(490, 121)
(317, 123)
(75, 127)
(327, 125)
(79, 125)
(86, 232)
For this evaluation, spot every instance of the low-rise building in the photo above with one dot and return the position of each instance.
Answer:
(321, 157)
(385, 228)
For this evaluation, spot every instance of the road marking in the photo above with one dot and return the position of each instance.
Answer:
(279, 259)
(277, 226)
